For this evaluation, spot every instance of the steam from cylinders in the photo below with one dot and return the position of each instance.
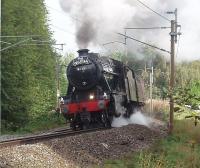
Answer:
(135, 118)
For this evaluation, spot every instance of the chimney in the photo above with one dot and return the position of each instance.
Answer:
(83, 52)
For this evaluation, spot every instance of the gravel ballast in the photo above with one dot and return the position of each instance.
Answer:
(85, 150)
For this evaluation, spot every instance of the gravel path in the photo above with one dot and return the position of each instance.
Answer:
(85, 150)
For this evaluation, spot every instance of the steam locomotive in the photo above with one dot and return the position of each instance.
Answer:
(99, 89)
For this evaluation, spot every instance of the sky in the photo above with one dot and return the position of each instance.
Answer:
(110, 16)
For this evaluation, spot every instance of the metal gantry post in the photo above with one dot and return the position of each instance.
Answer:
(58, 82)
(58, 69)
(151, 91)
(125, 42)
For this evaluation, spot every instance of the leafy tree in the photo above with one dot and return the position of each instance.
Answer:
(27, 71)
(187, 91)
(63, 69)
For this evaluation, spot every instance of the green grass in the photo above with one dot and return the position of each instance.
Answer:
(179, 150)
(41, 123)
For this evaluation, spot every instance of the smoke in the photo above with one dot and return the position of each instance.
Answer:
(98, 20)
(135, 118)
(85, 33)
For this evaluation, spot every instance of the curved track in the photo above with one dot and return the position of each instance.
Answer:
(42, 137)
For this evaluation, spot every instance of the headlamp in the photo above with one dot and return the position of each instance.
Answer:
(91, 97)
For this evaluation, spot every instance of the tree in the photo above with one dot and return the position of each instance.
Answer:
(187, 91)
(28, 72)
(63, 62)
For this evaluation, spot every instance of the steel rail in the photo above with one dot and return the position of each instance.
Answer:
(42, 137)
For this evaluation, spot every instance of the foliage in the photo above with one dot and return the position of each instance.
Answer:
(117, 56)
(160, 109)
(62, 75)
(187, 76)
(27, 72)
(180, 150)
(141, 62)
(187, 73)
(41, 123)
(188, 95)
(187, 91)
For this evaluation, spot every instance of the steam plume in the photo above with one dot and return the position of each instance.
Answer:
(135, 118)
(100, 19)
(85, 33)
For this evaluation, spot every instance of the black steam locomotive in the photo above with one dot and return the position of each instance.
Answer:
(99, 89)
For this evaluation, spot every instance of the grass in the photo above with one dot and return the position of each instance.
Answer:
(160, 109)
(41, 123)
(179, 150)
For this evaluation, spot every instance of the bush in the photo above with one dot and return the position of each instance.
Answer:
(41, 123)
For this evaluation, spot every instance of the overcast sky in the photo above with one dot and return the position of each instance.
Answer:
(64, 24)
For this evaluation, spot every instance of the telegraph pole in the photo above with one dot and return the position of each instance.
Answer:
(173, 35)
(171, 119)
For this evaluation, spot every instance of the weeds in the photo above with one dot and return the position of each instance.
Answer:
(179, 150)
(41, 123)
(160, 109)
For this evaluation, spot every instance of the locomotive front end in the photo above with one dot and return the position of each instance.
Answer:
(82, 72)
(86, 101)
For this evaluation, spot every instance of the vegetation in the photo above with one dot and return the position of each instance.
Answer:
(141, 62)
(43, 122)
(27, 71)
(180, 150)
(187, 91)
(187, 81)
(63, 78)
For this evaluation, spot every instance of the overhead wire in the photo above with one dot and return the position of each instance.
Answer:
(5, 42)
(20, 36)
(74, 18)
(144, 43)
(153, 10)
(71, 33)
(162, 27)
(61, 29)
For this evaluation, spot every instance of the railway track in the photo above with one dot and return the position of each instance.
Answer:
(42, 137)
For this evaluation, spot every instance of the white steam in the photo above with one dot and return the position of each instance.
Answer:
(98, 20)
(135, 118)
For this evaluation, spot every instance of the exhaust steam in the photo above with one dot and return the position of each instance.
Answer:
(136, 118)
